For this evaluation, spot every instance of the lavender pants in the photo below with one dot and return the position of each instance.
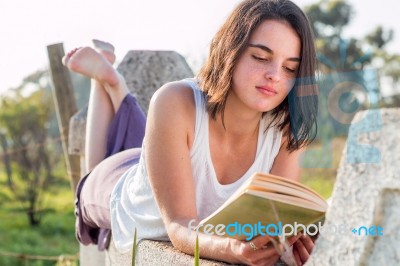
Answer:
(92, 203)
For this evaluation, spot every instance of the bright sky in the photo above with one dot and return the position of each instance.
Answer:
(186, 26)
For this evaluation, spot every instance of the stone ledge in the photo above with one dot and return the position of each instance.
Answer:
(151, 252)
(155, 253)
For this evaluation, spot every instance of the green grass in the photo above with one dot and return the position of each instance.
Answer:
(322, 180)
(54, 236)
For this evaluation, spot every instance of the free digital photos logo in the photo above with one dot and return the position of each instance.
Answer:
(342, 94)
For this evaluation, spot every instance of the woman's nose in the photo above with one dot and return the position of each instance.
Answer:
(273, 72)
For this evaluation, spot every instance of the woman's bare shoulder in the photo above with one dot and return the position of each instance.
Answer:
(171, 117)
(173, 102)
(177, 93)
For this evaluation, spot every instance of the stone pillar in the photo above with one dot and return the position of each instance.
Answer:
(147, 71)
(366, 196)
(144, 72)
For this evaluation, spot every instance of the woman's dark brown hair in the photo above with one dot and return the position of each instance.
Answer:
(299, 109)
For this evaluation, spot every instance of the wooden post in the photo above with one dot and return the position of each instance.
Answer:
(6, 158)
(64, 100)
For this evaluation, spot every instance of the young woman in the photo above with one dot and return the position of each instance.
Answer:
(251, 108)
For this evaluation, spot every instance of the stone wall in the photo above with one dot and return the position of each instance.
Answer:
(155, 253)
(366, 193)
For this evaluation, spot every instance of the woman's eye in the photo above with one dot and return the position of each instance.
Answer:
(291, 70)
(260, 58)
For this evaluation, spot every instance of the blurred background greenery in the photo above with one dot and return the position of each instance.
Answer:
(36, 200)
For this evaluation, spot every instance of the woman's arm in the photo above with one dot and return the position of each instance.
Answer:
(169, 122)
(168, 140)
(169, 136)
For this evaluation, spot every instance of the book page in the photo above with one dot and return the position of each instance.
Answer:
(288, 190)
(288, 199)
(286, 181)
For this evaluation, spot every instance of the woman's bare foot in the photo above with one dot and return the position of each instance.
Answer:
(105, 49)
(90, 63)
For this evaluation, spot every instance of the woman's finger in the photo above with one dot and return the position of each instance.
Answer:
(291, 240)
(301, 249)
(307, 242)
(297, 257)
(263, 242)
(271, 260)
(259, 256)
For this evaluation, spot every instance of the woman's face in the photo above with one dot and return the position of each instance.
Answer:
(266, 70)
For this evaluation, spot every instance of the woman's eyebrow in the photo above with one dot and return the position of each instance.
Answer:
(269, 50)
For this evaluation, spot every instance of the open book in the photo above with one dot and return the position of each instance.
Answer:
(266, 203)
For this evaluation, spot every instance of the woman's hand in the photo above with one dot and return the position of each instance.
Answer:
(302, 248)
(260, 251)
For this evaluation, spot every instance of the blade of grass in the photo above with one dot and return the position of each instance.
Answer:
(134, 249)
(196, 252)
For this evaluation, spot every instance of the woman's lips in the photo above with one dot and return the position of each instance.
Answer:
(267, 90)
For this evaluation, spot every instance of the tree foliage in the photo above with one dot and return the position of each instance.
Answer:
(27, 158)
(329, 20)
(351, 70)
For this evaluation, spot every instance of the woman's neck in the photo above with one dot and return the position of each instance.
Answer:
(236, 127)
(233, 144)
(238, 119)
(238, 123)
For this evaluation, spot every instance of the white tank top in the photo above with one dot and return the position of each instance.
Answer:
(132, 201)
